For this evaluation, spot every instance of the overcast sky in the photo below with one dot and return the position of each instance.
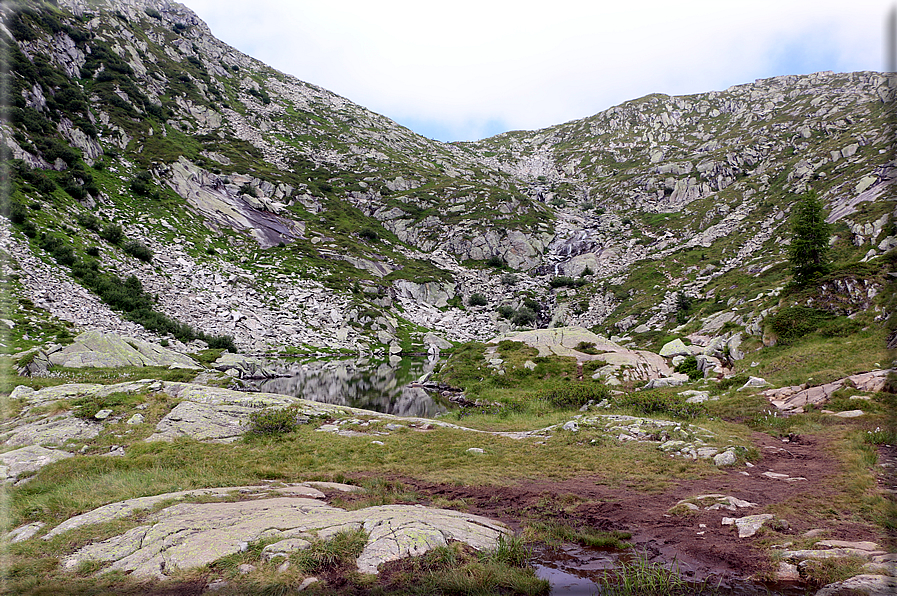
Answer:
(469, 69)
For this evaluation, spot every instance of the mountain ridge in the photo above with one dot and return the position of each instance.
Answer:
(303, 194)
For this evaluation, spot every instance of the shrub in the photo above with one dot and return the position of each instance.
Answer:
(794, 322)
(139, 250)
(505, 311)
(586, 347)
(495, 261)
(220, 342)
(477, 299)
(273, 421)
(576, 395)
(509, 279)
(112, 234)
(142, 183)
(689, 367)
(652, 402)
(93, 251)
(88, 221)
(531, 304)
(524, 317)
(369, 234)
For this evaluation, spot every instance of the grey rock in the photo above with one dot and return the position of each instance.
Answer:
(97, 349)
(749, 525)
(25, 532)
(726, 458)
(867, 584)
(28, 459)
(191, 535)
(675, 348)
(754, 382)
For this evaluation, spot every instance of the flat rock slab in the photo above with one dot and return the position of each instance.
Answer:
(28, 459)
(53, 431)
(191, 535)
(123, 509)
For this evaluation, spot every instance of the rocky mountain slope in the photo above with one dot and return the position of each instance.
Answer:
(163, 184)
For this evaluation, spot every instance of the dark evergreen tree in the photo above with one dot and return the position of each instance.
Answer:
(809, 241)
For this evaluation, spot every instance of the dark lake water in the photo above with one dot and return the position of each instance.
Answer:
(371, 385)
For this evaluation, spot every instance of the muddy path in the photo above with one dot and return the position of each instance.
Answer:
(698, 542)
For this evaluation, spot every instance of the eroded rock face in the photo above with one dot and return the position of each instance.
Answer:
(191, 535)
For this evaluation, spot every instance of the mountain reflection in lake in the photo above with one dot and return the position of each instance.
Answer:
(359, 384)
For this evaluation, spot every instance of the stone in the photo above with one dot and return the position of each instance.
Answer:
(307, 582)
(53, 430)
(674, 348)
(866, 585)
(749, 525)
(103, 414)
(191, 535)
(284, 548)
(754, 382)
(726, 458)
(28, 459)
(135, 419)
(245, 367)
(571, 426)
(476, 451)
(25, 532)
(849, 414)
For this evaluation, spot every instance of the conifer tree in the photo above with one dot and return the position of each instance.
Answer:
(809, 242)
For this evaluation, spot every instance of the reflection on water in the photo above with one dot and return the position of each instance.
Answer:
(360, 384)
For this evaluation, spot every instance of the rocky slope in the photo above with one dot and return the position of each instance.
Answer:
(286, 216)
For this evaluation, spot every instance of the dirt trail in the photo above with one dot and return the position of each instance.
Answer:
(712, 550)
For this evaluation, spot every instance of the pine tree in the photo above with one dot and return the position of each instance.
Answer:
(809, 241)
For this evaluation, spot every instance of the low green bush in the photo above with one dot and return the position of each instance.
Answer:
(576, 395)
(138, 250)
(652, 402)
(689, 367)
(273, 421)
(477, 299)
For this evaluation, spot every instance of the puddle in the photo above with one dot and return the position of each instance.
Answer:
(578, 571)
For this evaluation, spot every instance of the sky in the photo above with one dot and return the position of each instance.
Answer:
(469, 69)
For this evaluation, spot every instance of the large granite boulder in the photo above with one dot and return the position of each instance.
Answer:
(637, 365)
(108, 350)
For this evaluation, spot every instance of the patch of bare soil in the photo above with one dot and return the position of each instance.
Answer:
(701, 545)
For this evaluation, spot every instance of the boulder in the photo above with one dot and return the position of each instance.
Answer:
(675, 348)
(95, 349)
(635, 365)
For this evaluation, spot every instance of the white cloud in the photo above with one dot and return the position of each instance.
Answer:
(471, 67)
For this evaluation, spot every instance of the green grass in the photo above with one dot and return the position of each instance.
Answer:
(554, 532)
(818, 359)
